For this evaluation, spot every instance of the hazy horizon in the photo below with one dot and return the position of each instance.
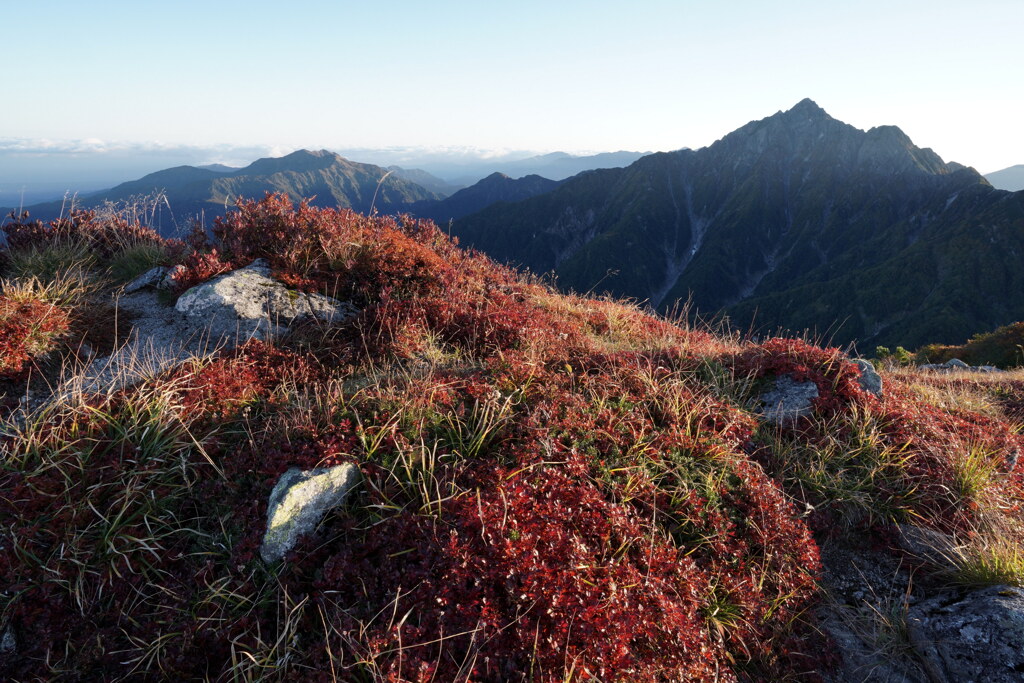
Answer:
(43, 172)
(147, 83)
(33, 171)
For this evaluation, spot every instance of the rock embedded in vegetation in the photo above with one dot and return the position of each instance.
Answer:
(214, 316)
(957, 365)
(788, 400)
(154, 277)
(978, 637)
(869, 378)
(249, 303)
(8, 645)
(299, 501)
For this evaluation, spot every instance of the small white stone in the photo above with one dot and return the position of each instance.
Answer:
(299, 501)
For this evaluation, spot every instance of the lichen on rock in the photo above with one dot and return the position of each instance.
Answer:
(249, 303)
(788, 400)
(299, 501)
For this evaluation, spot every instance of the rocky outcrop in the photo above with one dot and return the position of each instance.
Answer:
(220, 314)
(299, 501)
(957, 365)
(869, 378)
(788, 400)
(945, 635)
(975, 637)
(249, 303)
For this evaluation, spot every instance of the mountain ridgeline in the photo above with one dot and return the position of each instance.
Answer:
(495, 188)
(327, 178)
(797, 221)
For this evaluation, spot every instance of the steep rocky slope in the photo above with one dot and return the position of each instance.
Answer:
(495, 188)
(797, 221)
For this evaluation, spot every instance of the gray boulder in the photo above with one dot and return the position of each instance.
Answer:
(209, 318)
(153, 277)
(788, 400)
(159, 277)
(869, 379)
(957, 365)
(248, 303)
(975, 637)
(299, 501)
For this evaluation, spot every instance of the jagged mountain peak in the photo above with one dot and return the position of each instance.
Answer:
(778, 208)
(804, 125)
(807, 108)
(299, 160)
(807, 132)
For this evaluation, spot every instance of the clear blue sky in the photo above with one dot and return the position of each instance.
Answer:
(556, 74)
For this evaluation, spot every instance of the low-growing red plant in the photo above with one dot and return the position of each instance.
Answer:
(829, 368)
(103, 235)
(531, 571)
(28, 329)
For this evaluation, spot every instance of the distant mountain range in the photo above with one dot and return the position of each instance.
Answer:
(426, 180)
(556, 165)
(470, 166)
(36, 171)
(1011, 178)
(796, 221)
(328, 178)
(334, 180)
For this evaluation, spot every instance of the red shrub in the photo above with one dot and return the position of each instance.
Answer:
(497, 324)
(346, 253)
(829, 368)
(934, 440)
(533, 571)
(198, 267)
(28, 329)
(104, 236)
(243, 375)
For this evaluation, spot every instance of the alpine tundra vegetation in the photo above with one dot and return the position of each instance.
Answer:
(539, 486)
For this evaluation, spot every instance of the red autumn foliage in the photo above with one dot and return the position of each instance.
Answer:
(544, 509)
(829, 368)
(103, 236)
(247, 374)
(530, 569)
(28, 329)
(338, 250)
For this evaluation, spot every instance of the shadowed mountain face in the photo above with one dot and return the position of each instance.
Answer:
(330, 179)
(796, 221)
(496, 187)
